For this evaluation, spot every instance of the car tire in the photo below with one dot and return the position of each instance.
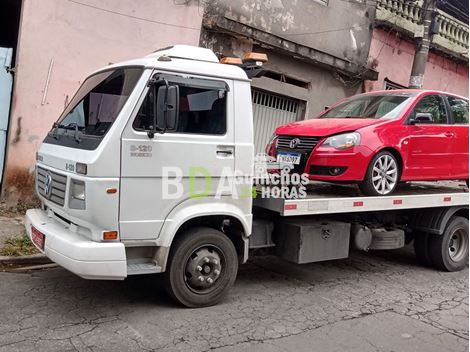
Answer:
(198, 254)
(384, 186)
(420, 245)
(449, 251)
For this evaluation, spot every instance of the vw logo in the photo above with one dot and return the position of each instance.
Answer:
(294, 143)
(48, 185)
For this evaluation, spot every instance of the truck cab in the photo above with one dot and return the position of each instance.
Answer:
(134, 163)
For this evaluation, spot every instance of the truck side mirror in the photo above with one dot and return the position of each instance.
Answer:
(167, 107)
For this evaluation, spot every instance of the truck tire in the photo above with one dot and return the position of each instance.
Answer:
(201, 268)
(420, 244)
(449, 251)
(385, 167)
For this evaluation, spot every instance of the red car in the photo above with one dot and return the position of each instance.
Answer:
(380, 138)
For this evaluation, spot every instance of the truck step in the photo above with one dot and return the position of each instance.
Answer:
(143, 268)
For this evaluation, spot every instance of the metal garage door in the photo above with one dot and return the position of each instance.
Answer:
(6, 81)
(270, 111)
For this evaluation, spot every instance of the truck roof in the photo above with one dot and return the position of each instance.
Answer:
(185, 59)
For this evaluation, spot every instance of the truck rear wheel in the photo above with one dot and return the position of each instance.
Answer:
(420, 244)
(449, 251)
(201, 268)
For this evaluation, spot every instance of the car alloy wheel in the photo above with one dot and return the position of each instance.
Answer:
(384, 174)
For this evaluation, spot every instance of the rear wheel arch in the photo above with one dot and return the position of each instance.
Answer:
(435, 220)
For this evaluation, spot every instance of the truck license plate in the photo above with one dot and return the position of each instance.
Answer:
(38, 238)
(288, 158)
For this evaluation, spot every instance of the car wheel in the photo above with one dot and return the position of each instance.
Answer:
(202, 267)
(449, 251)
(382, 175)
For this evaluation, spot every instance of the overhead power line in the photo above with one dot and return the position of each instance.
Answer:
(132, 16)
(326, 31)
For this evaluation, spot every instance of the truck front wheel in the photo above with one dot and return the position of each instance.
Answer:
(201, 268)
(449, 251)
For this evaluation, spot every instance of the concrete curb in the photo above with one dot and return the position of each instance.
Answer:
(25, 269)
(26, 260)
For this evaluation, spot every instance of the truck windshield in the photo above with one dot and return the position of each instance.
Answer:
(94, 108)
(372, 106)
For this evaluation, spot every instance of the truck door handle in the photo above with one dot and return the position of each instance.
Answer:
(225, 150)
(449, 134)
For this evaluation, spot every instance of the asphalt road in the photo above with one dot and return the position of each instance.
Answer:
(370, 302)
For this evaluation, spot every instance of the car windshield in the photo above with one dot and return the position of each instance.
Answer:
(372, 106)
(99, 100)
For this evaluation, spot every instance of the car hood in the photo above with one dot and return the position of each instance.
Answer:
(323, 127)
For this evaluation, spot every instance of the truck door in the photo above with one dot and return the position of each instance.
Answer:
(161, 172)
(6, 81)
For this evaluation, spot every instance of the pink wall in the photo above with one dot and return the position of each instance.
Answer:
(393, 58)
(81, 36)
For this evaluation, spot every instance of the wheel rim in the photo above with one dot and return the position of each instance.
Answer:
(384, 174)
(458, 245)
(204, 268)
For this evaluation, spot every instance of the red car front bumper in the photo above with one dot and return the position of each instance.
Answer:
(352, 163)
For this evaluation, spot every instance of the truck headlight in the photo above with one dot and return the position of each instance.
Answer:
(78, 190)
(77, 194)
(343, 141)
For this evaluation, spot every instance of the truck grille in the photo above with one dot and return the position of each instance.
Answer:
(302, 143)
(51, 185)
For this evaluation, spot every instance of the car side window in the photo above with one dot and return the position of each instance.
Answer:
(459, 108)
(434, 105)
(201, 111)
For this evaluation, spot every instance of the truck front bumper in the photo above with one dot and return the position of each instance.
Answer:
(81, 256)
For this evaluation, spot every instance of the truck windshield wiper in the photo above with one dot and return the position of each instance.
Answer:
(73, 126)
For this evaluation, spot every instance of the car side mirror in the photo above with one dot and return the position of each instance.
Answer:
(421, 117)
(167, 107)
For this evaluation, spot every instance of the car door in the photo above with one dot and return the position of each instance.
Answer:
(429, 143)
(159, 173)
(459, 113)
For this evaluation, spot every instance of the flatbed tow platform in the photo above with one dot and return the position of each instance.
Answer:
(324, 198)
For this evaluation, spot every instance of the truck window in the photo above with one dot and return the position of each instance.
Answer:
(201, 111)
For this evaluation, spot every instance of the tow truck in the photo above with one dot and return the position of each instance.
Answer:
(149, 170)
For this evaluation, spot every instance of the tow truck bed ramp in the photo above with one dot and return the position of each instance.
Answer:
(325, 198)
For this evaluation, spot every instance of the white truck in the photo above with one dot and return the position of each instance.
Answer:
(149, 169)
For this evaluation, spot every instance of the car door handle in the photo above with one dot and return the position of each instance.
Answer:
(224, 152)
(449, 134)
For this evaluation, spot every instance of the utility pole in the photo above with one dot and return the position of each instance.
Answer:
(423, 44)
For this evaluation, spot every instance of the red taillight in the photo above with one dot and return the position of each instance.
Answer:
(271, 147)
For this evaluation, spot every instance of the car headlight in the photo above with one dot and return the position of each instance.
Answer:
(271, 146)
(343, 141)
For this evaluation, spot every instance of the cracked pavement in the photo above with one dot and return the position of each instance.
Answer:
(380, 301)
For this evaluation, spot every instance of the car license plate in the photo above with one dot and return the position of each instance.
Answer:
(288, 158)
(38, 238)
